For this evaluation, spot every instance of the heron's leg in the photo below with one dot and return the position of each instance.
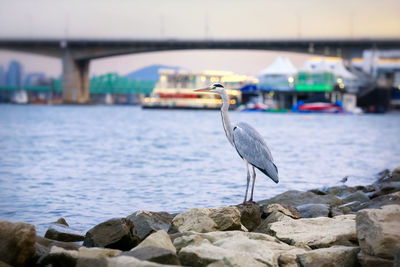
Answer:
(254, 181)
(248, 180)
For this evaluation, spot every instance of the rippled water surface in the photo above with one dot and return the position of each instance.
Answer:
(92, 163)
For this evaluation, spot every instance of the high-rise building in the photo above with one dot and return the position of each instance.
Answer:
(14, 74)
(2, 76)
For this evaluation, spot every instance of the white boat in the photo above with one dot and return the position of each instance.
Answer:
(20, 97)
(175, 89)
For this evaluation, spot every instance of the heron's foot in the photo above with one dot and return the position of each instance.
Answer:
(248, 202)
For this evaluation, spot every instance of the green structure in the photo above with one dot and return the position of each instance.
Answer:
(315, 82)
(110, 83)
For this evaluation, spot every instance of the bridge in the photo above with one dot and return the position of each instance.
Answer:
(77, 53)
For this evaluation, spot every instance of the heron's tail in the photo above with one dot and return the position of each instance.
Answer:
(271, 171)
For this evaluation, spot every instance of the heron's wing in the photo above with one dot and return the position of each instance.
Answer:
(251, 146)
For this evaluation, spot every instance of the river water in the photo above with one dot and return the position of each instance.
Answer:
(92, 163)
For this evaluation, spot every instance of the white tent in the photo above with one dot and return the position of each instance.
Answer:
(279, 67)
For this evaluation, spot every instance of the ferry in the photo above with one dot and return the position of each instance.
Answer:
(175, 89)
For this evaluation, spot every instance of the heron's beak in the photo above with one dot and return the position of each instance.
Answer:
(207, 89)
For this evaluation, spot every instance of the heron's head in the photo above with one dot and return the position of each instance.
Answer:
(214, 88)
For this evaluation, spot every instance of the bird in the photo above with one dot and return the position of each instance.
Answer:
(249, 144)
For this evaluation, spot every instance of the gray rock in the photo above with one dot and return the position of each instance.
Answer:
(147, 222)
(249, 215)
(386, 188)
(378, 231)
(153, 254)
(316, 232)
(313, 210)
(64, 233)
(158, 239)
(376, 203)
(115, 233)
(366, 260)
(339, 256)
(396, 262)
(275, 216)
(233, 248)
(339, 191)
(205, 220)
(296, 198)
(126, 261)
(396, 175)
(62, 221)
(356, 196)
(266, 210)
(17, 243)
(48, 243)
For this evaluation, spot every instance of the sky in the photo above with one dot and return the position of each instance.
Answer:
(190, 19)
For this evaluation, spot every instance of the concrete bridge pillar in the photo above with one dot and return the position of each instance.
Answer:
(75, 80)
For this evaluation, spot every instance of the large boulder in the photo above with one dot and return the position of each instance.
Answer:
(205, 220)
(313, 210)
(17, 243)
(296, 198)
(147, 222)
(316, 232)
(356, 196)
(234, 248)
(378, 230)
(371, 261)
(339, 256)
(64, 233)
(250, 216)
(115, 233)
(275, 216)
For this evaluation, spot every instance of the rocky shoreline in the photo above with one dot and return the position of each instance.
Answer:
(335, 226)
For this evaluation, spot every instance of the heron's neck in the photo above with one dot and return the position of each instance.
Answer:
(226, 121)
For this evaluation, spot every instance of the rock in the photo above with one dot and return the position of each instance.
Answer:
(316, 232)
(153, 254)
(234, 248)
(159, 239)
(348, 207)
(3, 264)
(64, 233)
(296, 198)
(287, 260)
(250, 215)
(396, 175)
(313, 210)
(339, 256)
(147, 222)
(48, 243)
(205, 220)
(356, 196)
(372, 261)
(126, 261)
(266, 210)
(378, 231)
(62, 221)
(376, 203)
(17, 243)
(83, 257)
(275, 216)
(386, 188)
(114, 233)
(396, 262)
(340, 191)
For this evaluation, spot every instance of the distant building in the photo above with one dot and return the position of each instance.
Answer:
(34, 79)
(14, 74)
(2, 76)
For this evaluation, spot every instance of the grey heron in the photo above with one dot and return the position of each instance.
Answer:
(248, 143)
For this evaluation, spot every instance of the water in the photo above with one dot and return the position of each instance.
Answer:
(92, 163)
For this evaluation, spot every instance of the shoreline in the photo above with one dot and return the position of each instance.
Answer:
(335, 224)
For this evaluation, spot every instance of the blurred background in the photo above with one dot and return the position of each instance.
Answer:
(99, 119)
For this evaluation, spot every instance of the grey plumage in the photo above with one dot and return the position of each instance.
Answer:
(249, 144)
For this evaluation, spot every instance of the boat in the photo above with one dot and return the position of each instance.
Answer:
(320, 107)
(175, 90)
(20, 97)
